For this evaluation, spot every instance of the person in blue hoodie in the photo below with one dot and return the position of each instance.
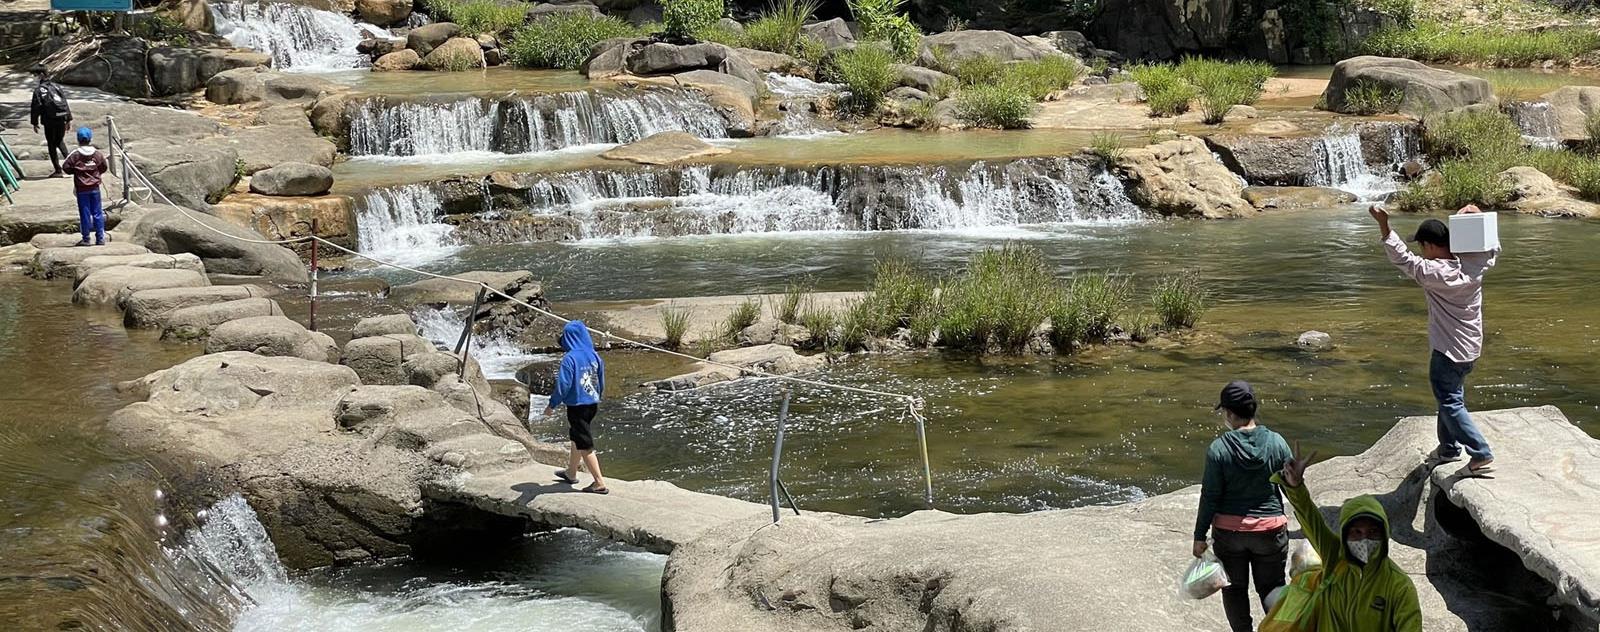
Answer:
(579, 383)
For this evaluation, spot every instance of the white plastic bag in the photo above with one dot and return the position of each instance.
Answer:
(1302, 558)
(1204, 578)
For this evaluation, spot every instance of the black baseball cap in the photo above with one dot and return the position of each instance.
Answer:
(1238, 397)
(1433, 232)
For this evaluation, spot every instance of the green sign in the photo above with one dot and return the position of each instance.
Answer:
(91, 5)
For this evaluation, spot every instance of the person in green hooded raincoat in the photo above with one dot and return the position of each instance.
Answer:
(1362, 589)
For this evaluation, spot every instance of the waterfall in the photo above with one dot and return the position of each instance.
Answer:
(498, 356)
(297, 37)
(1537, 120)
(797, 97)
(702, 199)
(1342, 165)
(402, 223)
(526, 124)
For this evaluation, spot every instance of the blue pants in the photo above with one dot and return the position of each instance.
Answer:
(91, 218)
(1448, 378)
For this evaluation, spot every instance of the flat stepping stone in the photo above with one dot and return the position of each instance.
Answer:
(272, 336)
(151, 260)
(1543, 499)
(146, 308)
(196, 322)
(62, 261)
(113, 286)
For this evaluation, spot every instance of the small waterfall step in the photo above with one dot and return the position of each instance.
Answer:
(297, 37)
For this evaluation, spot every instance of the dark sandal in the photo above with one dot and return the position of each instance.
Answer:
(597, 490)
(562, 474)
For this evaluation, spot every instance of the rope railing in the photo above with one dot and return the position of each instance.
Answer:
(913, 405)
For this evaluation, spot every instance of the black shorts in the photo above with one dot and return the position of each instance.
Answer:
(579, 419)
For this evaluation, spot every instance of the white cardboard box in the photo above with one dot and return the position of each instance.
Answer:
(1474, 232)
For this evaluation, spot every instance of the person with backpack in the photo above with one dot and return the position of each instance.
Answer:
(579, 382)
(1361, 589)
(1241, 507)
(50, 108)
(86, 165)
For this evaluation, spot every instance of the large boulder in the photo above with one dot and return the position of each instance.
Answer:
(381, 359)
(665, 148)
(383, 12)
(734, 98)
(539, 11)
(289, 217)
(925, 79)
(1289, 198)
(240, 85)
(272, 145)
(663, 58)
(1424, 90)
(456, 53)
(954, 46)
(1534, 193)
(182, 261)
(194, 175)
(383, 325)
(53, 262)
(406, 59)
(196, 321)
(834, 34)
(182, 70)
(423, 39)
(115, 64)
(765, 62)
(272, 336)
(220, 244)
(609, 58)
(1182, 178)
(149, 308)
(1571, 107)
(292, 178)
(112, 286)
(1269, 161)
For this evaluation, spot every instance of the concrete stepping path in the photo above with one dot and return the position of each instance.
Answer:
(1543, 499)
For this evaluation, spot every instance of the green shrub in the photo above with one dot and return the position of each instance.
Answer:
(1003, 105)
(868, 73)
(1106, 145)
(786, 309)
(1461, 182)
(978, 70)
(488, 16)
(1367, 98)
(1140, 327)
(684, 18)
(861, 316)
(1103, 297)
(1068, 323)
(882, 21)
(720, 34)
(745, 314)
(1041, 77)
(821, 323)
(563, 40)
(1431, 41)
(1220, 85)
(1002, 297)
(456, 61)
(1164, 89)
(899, 292)
(812, 51)
(675, 322)
(1179, 300)
(924, 325)
(1472, 134)
(1591, 133)
(778, 30)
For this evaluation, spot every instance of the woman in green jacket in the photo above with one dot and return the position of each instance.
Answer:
(1362, 589)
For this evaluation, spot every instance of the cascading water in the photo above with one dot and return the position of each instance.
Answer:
(1343, 165)
(526, 124)
(499, 357)
(1537, 120)
(797, 99)
(297, 37)
(701, 199)
(402, 224)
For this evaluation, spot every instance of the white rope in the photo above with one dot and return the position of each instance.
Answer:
(914, 404)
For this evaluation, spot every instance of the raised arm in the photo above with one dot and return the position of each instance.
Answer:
(1317, 531)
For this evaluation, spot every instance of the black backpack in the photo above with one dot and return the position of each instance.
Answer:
(53, 100)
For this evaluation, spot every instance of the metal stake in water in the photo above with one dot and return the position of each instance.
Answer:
(777, 455)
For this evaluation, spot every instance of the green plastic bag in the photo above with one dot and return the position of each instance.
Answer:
(1296, 610)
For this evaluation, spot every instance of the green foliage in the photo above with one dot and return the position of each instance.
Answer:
(1003, 106)
(1099, 67)
(685, 18)
(1041, 77)
(1164, 89)
(454, 61)
(868, 72)
(812, 51)
(1002, 297)
(1102, 297)
(1491, 135)
(779, 29)
(1224, 84)
(979, 70)
(856, 327)
(882, 21)
(786, 309)
(1106, 145)
(955, 23)
(822, 324)
(745, 314)
(1179, 300)
(1367, 98)
(1460, 182)
(159, 27)
(1069, 322)
(488, 16)
(1434, 42)
(563, 40)
(720, 34)
(1140, 327)
(675, 322)
(1591, 132)
(899, 293)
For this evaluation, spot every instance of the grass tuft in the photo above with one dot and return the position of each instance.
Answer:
(1002, 297)
(1003, 106)
(675, 322)
(745, 314)
(563, 40)
(1435, 42)
(786, 308)
(1179, 300)
(868, 73)
(1367, 98)
(1164, 89)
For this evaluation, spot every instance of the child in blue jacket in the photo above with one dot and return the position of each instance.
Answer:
(579, 383)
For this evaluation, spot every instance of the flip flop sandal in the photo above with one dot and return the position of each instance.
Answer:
(1479, 472)
(596, 490)
(562, 474)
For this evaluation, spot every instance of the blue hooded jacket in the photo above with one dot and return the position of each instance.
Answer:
(582, 376)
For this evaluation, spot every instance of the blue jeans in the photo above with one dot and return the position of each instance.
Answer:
(91, 218)
(1448, 378)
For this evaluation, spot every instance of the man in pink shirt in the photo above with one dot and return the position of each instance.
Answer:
(1453, 284)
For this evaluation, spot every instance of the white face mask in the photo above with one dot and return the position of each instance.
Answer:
(1363, 550)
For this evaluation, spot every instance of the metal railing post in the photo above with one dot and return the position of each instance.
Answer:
(777, 457)
(313, 326)
(927, 470)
